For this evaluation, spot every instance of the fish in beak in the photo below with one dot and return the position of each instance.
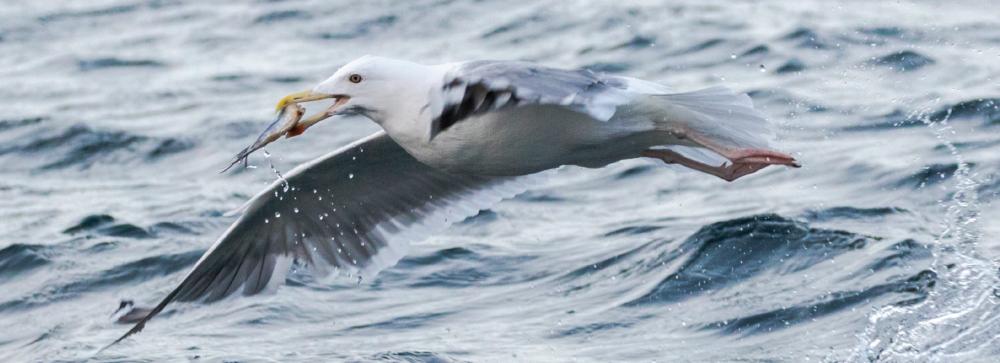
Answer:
(288, 109)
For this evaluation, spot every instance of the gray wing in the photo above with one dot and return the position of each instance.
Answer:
(478, 87)
(354, 210)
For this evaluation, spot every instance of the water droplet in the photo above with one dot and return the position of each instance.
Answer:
(296, 210)
(267, 220)
(350, 176)
(763, 68)
(277, 215)
(284, 183)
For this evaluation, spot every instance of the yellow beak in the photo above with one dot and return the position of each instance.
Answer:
(299, 97)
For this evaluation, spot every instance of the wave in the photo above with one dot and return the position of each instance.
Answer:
(360, 29)
(82, 146)
(92, 13)
(19, 258)
(406, 322)
(758, 51)
(127, 273)
(729, 252)
(411, 357)
(806, 38)
(460, 267)
(514, 25)
(903, 61)
(103, 224)
(88, 65)
(281, 16)
(793, 65)
(16, 123)
(848, 212)
(930, 175)
(984, 109)
(917, 286)
(637, 42)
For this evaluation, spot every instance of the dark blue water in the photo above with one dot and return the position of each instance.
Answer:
(117, 116)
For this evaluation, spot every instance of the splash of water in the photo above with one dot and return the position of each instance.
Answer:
(961, 313)
(284, 182)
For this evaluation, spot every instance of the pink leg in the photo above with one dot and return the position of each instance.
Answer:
(756, 156)
(744, 162)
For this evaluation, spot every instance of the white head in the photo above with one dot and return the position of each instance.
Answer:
(374, 87)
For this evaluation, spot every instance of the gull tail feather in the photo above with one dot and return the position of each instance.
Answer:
(715, 118)
(721, 114)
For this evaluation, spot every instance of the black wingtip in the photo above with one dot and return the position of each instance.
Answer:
(135, 329)
(142, 322)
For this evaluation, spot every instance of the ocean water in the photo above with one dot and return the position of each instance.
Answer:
(118, 115)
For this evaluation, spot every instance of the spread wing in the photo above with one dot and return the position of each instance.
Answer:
(354, 210)
(478, 87)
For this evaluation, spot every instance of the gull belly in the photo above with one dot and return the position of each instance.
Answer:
(526, 140)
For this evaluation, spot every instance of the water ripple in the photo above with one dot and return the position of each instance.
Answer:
(725, 253)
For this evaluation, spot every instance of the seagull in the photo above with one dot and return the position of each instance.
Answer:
(456, 138)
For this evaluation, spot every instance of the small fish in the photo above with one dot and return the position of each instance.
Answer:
(292, 112)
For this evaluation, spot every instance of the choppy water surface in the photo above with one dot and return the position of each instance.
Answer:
(117, 116)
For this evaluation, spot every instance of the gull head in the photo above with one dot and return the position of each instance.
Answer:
(370, 86)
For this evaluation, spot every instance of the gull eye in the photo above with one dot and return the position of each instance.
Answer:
(354, 78)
